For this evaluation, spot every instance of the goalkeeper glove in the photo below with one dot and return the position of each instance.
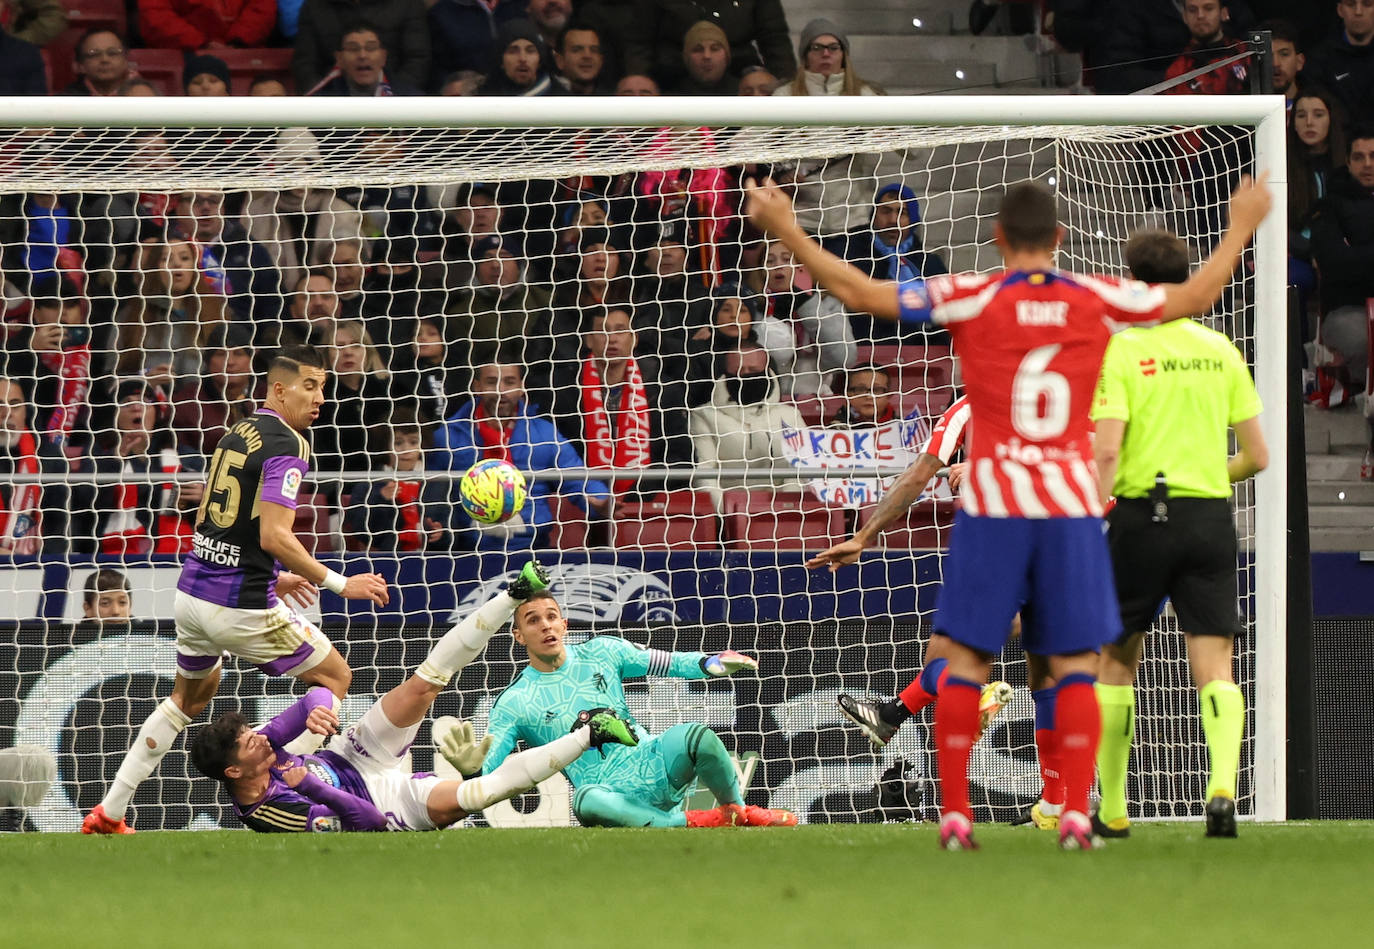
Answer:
(460, 748)
(728, 663)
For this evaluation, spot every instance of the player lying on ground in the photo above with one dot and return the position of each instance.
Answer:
(1030, 339)
(230, 594)
(643, 786)
(357, 782)
(1162, 450)
(880, 720)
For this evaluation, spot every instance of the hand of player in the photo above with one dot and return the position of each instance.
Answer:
(768, 207)
(292, 776)
(957, 474)
(322, 720)
(366, 586)
(729, 662)
(297, 591)
(460, 748)
(840, 555)
(1250, 202)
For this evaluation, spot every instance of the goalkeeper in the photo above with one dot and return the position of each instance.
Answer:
(357, 782)
(642, 786)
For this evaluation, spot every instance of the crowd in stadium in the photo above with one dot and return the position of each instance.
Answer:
(624, 321)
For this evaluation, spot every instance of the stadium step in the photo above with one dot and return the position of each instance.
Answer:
(1334, 431)
(1349, 516)
(1326, 467)
(1342, 493)
(883, 16)
(1332, 539)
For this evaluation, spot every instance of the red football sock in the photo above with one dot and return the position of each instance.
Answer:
(956, 728)
(926, 687)
(1078, 721)
(1047, 749)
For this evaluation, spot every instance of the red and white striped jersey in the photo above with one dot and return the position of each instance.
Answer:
(949, 432)
(1031, 346)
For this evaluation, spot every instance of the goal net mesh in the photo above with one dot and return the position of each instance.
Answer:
(735, 421)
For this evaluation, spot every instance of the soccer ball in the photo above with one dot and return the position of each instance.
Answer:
(492, 491)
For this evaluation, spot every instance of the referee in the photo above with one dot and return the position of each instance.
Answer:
(1164, 403)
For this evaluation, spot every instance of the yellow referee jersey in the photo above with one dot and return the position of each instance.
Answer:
(1178, 387)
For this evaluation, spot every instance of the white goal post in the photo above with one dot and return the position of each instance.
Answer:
(455, 141)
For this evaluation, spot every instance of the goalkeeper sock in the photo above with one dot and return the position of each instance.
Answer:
(154, 740)
(956, 729)
(1079, 723)
(1047, 747)
(522, 771)
(1223, 722)
(464, 642)
(923, 690)
(599, 806)
(1118, 731)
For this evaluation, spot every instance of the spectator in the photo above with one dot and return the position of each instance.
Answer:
(1142, 35)
(501, 312)
(499, 423)
(290, 222)
(612, 20)
(343, 261)
(1316, 151)
(138, 87)
(756, 34)
(826, 66)
(426, 370)
(1343, 249)
(700, 202)
(636, 84)
(756, 81)
(1286, 50)
(205, 24)
(37, 22)
(820, 327)
(1208, 43)
(102, 64)
(138, 518)
(517, 66)
(107, 596)
(205, 75)
(392, 297)
(400, 514)
(360, 67)
(313, 314)
(670, 303)
(741, 425)
(463, 82)
(615, 407)
(1344, 62)
(551, 18)
(41, 235)
(400, 26)
(236, 266)
(867, 399)
(580, 61)
(266, 86)
(223, 394)
(706, 62)
(161, 330)
(830, 193)
(888, 247)
(52, 362)
(358, 400)
(735, 320)
(464, 35)
(470, 214)
(30, 514)
(21, 64)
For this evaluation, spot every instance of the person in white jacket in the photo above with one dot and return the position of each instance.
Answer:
(741, 427)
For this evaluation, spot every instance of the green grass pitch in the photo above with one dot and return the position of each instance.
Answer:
(1292, 885)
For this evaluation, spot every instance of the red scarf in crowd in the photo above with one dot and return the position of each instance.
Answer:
(408, 536)
(73, 365)
(627, 444)
(172, 532)
(492, 434)
(19, 517)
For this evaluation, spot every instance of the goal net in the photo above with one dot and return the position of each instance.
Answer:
(571, 286)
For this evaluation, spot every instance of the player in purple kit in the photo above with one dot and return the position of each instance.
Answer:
(357, 782)
(229, 596)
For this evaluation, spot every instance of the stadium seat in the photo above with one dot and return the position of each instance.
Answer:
(926, 526)
(762, 519)
(89, 14)
(245, 64)
(571, 529)
(312, 525)
(161, 67)
(675, 520)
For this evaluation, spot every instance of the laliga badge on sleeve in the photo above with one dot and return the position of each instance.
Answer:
(291, 484)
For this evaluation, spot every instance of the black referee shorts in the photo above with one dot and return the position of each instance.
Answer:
(1191, 559)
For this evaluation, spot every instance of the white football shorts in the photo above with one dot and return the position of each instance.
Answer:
(279, 641)
(378, 749)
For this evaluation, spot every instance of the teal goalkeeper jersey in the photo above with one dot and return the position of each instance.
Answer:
(540, 706)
